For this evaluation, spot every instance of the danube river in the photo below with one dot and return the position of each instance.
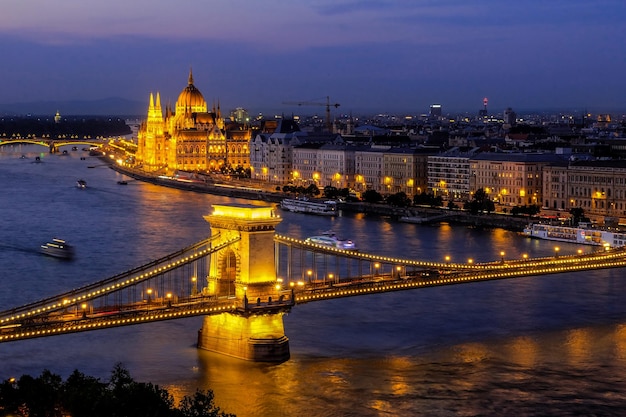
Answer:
(552, 345)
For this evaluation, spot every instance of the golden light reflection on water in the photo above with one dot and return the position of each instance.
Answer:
(578, 345)
(620, 341)
(523, 351)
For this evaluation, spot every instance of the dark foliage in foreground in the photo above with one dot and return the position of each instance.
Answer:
(84, 396)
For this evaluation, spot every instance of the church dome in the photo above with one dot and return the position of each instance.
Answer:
(191, 99)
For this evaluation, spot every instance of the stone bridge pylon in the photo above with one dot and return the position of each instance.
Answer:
(245, 271)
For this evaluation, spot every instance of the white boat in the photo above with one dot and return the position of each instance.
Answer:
(331, 240)
(81, 184)
(583, 234)
(304, 205)
(58, 248)
(412, 219)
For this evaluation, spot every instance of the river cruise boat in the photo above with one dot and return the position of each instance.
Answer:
(58, 248)
(330, 239)
(583, 234)
(304, 205)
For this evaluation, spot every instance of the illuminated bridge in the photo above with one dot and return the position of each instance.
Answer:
(245, 277)
(53, 145)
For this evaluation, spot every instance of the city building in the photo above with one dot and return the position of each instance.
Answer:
(513, 179)
(598, 187)
(449, 175)
(189, 137)
(271, 151)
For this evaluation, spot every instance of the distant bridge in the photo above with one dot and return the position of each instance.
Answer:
(52, 144)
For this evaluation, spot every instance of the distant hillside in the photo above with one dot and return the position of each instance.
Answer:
(113, 106)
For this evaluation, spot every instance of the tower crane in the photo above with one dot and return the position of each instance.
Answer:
(313, 102)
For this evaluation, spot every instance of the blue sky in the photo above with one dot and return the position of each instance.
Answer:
(369, 55)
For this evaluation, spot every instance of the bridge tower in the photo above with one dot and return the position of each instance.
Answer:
(246, 272)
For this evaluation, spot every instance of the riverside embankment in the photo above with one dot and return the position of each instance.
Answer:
(252, 191)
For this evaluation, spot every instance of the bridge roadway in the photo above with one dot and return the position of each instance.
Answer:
(54, 316)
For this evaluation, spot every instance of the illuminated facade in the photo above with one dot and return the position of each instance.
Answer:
(449, 176)
(189, 137)
(509, 178)
(598, 187)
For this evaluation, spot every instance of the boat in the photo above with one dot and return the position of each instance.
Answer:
(74, 148)
(122, 182)
(584, 234)
(412, 219)
(58, 248)
(304, 205)
(81, 184)
(331, 240)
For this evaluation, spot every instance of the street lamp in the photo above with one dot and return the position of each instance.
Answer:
(149, 292)
(502, 256)
(556, 251)
(194, 290)
(525, 256)
(376, 266)
(447, 258)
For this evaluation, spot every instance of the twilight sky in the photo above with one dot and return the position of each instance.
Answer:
(367, 55)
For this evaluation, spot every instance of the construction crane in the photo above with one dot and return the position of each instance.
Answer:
(316, 103)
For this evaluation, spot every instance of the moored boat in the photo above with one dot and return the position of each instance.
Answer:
(305, 205)
(81, 183)
(58, 248)
(584, 234)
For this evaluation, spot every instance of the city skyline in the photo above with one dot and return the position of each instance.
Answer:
(380, 56)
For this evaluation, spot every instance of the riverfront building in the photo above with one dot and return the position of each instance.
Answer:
(189, 137)
(513, 179)
(598, 187)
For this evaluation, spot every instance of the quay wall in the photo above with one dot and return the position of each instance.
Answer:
(452, 216)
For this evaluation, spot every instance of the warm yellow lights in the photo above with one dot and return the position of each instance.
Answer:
(245, 212)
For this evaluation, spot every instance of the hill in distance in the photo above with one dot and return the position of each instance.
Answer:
(113, 106)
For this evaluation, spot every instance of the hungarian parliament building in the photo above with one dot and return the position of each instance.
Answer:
(189, 137)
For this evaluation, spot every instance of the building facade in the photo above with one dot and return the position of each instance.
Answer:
(188, 137)
(513, 179)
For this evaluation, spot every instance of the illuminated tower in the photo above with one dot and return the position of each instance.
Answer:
(244, 269)
(483, 111)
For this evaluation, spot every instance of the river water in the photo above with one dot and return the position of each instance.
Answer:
(551, 345)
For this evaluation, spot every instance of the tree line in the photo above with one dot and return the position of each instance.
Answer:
(48, 395)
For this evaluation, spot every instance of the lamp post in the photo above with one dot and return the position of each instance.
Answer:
(502, 256)
(556, 251)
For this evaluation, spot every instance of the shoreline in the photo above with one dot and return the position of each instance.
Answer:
(491, 220)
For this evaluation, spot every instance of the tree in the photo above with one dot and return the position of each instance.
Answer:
(312, 190)
(399, 199)
(84, 396)
(372, 196)
(330, 191)
(578, 215)
(479, 203)
(201, 405)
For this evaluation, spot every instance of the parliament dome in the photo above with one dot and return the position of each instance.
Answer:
(191, 99)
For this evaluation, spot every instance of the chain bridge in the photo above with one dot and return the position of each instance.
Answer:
(245, 277)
